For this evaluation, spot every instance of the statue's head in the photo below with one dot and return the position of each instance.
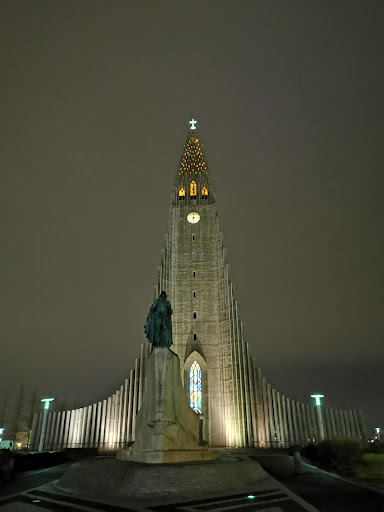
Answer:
(163, 295)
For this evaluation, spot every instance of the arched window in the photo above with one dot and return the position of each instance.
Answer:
(195, 391)
(204, 192)
(192, 189)
(181, 193)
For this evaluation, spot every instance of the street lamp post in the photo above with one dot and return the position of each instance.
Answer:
(46, 401)
(319, 415)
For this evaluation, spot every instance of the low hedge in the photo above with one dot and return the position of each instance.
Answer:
(342, 455)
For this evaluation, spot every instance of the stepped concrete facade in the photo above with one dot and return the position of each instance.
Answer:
(235, 404)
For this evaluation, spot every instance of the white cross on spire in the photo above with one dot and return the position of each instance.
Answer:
(192, 123)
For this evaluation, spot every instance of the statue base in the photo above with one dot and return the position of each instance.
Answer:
(167, 456)
(167, 429)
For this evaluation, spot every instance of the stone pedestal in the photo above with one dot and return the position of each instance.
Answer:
(167, 429)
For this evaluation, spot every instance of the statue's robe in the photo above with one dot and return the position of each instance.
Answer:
(158, 326)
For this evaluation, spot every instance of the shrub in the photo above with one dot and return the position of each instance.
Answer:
(343, 455)
(375, 447)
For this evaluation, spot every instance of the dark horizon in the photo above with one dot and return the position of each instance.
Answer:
(96, 101)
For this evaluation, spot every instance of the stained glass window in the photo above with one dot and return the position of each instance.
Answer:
(181, 193)
(192, 188)
(204, 191)
(195, 392)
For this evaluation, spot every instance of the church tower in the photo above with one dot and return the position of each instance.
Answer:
(236, 405)
(207, 332)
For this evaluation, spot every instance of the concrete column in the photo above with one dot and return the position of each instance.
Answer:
(260, 415)
(266, 413)
(295, 422)
(93, 426)
(328, 423)
(56, 433)
(283, 400)
(76, 430)
(346, 422)
(363, 432)
(356, 423)
(247, 391)
(291, 432)
(280, 420)
(97, 439)
(253, 400)
(305, 423)
(43, 430)
(88, 427)
(130, 407)
(103, 426)
(116, 398)
(141, 384)
(33, 436)
(300, 423)
(352, 424)
(67, 428)
(276, 418)
(271, 422)
(337, 423)
(135, 397)
(333, 423)
(107, 437)
(315, 430)
(309, 422)
(48, 432)
(60, 445)
(120, 419)
(342, 424)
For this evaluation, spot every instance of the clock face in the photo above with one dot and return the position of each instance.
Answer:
(193, 217)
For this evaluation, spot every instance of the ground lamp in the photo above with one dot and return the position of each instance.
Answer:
(47, 402)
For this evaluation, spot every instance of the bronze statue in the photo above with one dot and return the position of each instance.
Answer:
(158, 326)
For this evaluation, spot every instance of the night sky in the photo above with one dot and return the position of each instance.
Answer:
(95, 101)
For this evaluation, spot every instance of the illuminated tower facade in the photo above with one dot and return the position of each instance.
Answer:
(207, 332)
(236, 404)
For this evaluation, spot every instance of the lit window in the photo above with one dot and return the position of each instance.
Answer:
(204, 193)
(181, 193)
(193, 255)
(194, 314)
(194, 294)
(192, 189)
(195, 389)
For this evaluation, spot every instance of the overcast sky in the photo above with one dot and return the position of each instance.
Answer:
(95, 100)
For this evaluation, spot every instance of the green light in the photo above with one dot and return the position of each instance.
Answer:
(47, 400)
(251, 497)
(317, 399)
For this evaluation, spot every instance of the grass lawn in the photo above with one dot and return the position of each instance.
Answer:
(372, 468)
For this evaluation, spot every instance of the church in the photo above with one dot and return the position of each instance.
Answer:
(236, 405)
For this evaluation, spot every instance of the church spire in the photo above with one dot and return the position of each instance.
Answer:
(193, 178)
(193, 162)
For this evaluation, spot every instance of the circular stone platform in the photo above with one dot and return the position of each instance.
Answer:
(105, 477)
